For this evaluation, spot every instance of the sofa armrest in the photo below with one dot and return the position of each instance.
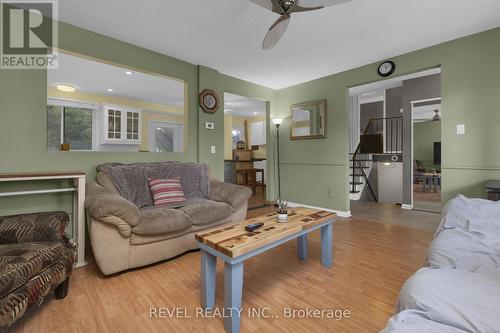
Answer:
(109, 207)
(34, 227)
(234, 195)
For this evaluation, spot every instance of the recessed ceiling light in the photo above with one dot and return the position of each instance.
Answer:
(109, 89)
(65, 88)
(129, 73)
(255, 113)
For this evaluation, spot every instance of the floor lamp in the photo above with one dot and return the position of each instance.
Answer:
(277, 122)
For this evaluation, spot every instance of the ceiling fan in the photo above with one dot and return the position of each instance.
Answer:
(285, 8)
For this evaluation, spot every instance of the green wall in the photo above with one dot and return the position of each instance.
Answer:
(424, 135)
(23, 97)
(316, 170)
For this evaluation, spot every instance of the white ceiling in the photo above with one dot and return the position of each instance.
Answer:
(89, 76)
(227, 34)
(244, 107)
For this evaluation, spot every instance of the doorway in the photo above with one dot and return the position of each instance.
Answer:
(381, 143)
(426, 122)
(245, 145)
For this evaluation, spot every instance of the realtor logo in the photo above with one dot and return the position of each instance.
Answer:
(29, 34)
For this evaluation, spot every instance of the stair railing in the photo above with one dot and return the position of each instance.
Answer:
(393, 128)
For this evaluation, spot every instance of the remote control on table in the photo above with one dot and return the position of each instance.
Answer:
(253, 226)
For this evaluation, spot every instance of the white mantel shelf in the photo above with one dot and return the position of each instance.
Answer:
(78, 190)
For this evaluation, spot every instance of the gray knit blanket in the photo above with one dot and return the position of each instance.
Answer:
(131, 180)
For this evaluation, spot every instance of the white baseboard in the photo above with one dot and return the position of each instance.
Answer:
(340, 213)
(406, 206)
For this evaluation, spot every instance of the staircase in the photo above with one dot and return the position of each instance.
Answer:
(359, 173)
(382, 136)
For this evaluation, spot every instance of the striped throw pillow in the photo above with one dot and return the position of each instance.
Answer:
(167, 191)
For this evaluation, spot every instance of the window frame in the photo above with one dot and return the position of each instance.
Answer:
(79, 105)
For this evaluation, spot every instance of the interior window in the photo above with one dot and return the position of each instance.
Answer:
(71, 125)
(98, 106)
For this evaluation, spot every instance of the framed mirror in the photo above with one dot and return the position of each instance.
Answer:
(308, 120)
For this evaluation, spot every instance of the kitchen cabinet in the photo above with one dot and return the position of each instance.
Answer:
(121, 125)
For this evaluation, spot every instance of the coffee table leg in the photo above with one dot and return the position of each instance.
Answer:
(233, 285)
(326, 245)
(302, 247)
(208, 275)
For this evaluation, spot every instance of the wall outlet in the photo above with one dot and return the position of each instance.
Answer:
(331, 192)
(212, 149)
(209, 126)
(461, 129)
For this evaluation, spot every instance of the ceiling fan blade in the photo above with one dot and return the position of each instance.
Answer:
(272, 5)
(320, 3)
(296, 8)
(276, 31)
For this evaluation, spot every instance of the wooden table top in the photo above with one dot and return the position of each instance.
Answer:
(235, 241)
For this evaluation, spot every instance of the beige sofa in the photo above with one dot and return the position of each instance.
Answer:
(124, 236)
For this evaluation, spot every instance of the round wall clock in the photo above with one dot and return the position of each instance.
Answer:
(209, 101)
(386, 68)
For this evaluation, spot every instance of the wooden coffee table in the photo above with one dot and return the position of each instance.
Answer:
(233, 244)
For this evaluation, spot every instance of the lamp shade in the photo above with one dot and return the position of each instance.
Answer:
(277, 121)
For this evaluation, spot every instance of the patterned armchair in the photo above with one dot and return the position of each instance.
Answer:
(36, 258)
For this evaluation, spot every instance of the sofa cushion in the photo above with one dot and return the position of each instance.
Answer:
(160, 220)
(204, 211)
(20, 262)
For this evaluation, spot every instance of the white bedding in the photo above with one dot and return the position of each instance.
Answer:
(460, 290)
(457, 248)
(448, 300)
(468, 236)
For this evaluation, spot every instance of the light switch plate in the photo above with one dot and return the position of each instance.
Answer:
(460, 129)
(209, 125)
(212, 149)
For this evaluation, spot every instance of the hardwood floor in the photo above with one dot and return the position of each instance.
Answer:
(426, 199)
(393, 214)
(371, 262)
